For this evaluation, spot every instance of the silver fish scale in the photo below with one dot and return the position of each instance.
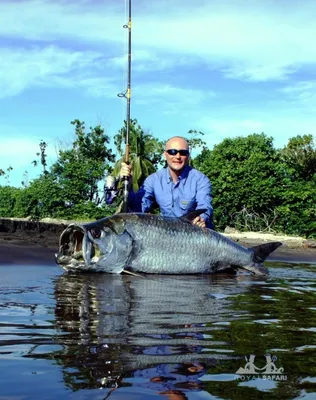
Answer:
(166, 246)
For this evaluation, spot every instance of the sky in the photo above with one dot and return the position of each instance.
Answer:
(228, 68)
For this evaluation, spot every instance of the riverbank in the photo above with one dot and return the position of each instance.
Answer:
(294, 248)
(22, 239)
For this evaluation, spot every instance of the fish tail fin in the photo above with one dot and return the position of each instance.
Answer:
(262, 251)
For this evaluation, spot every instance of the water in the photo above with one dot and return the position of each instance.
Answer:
(95, 336)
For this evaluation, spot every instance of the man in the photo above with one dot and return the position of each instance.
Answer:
(176, 189)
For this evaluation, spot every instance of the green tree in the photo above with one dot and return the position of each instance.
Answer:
(43, 156)
(300, 155)
(247, 173)
(8, 197)
(145, 152)
(70, 188)
(297, 212)
(79, 169)
(45, 198)
(6, 173)
(195, 139)
(42, 198)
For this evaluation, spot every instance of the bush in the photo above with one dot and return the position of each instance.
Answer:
(8, 196)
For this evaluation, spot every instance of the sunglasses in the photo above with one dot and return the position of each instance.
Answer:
(173, 152)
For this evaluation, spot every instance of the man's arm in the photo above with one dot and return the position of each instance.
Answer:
(204, 201)
(143, 199)
(133, 200)
(146, 193)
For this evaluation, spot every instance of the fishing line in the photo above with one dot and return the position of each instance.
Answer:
(124, 58)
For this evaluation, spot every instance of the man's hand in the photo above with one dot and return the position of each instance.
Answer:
(126, 170)
(199, 221)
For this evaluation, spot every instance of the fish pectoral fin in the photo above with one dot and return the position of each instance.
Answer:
(189, 217)
(126, 271)
(226, 269)
(113, 268)
(257, 269)
(113, 263)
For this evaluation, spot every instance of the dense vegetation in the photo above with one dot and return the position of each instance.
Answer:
(255, 186)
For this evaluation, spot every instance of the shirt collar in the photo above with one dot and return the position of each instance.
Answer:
(182, 177)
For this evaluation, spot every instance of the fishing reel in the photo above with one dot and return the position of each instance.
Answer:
(110, 189)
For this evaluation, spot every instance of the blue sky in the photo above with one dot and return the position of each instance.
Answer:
(228, 68)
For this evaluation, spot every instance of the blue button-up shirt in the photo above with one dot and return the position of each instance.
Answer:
(191, 192)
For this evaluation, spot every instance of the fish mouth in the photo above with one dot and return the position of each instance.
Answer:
(75, 248)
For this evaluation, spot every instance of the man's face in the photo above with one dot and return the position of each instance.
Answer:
(177, 161)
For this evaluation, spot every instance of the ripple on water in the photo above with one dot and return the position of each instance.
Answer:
(262, 385)
(148, 337)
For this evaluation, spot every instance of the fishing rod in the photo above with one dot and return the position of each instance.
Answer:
(127, 95)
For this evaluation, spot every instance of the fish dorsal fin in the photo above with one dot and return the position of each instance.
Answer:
(262, 251)
(189, 217)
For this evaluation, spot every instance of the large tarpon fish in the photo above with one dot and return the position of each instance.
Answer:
(154, 244)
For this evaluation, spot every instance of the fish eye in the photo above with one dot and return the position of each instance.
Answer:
(96, 232)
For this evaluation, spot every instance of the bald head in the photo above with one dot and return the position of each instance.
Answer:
(177, 142)
(177, 155)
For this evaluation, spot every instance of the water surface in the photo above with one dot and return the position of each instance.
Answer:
(96, 336)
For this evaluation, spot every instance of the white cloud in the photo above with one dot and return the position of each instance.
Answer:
(50, 67)
(258, 73)
(246, 41)
(254, 40)
(303, 93)
(44, 20)
(171, 99)
(81, 45)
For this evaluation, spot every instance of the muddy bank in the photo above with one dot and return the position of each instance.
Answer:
(25, 232)
(27, 242)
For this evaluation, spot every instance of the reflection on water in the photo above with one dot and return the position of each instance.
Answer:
(178, 337)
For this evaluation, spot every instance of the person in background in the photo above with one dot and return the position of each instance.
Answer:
(176, 189)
